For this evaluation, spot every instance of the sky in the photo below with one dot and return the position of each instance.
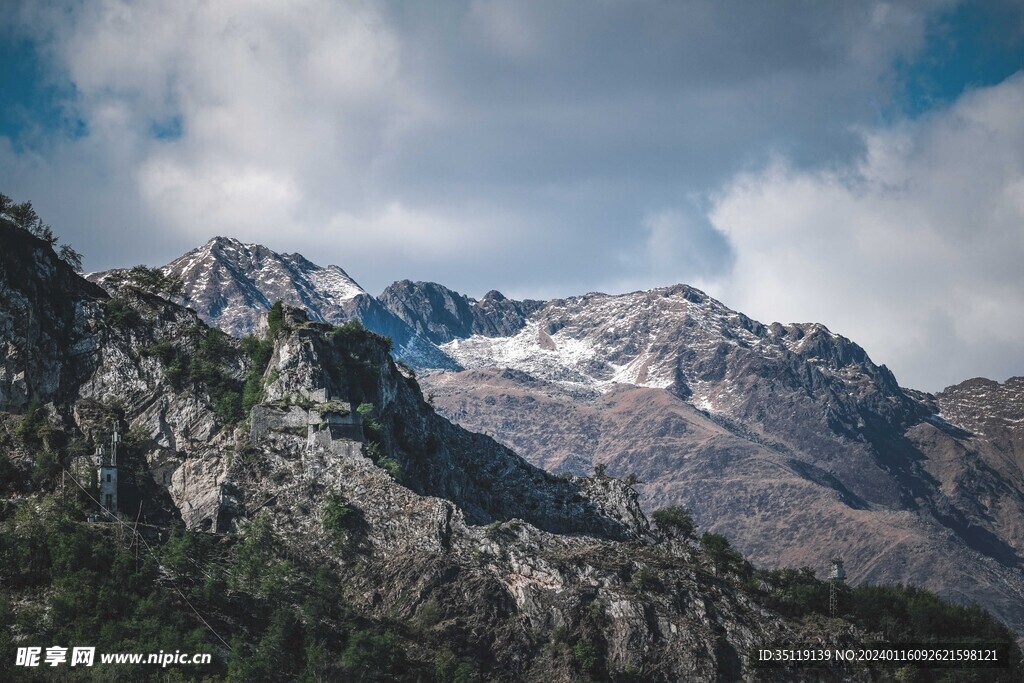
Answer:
(858, 164)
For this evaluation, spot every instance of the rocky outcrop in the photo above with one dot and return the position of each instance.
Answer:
(441, 315)
(48, 341)
(326, 371)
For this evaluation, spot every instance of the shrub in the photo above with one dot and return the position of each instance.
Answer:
(164, 350)
(722, 554)
(214, 348)
(228, 407)
(47, 468)
(371, 426)
(275, 319)
(794, 592)
(252, 556)
(647, 580)
(120, 314)
(349, 333)
(185, 552)
(371, 657)
(28, 429)
(259, 352)
(450, 669)
(675, 520)
(9, 474)
(338, 518)
(392, 467)
(176, 373)
(154, 281)
(587, 656)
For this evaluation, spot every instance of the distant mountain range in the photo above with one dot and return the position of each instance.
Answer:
(789, 439)
(230, 285)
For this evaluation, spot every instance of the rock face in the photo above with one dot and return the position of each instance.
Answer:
(47, 333)
(441, 315)
(231, 285)
(446, 525)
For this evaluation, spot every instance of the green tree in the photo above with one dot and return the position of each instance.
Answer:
(373, 658)
(275, 319)
(587, 656)
(71, 257)
(339, 517)
(149, 280)
(675, 520)
(722, 554)
(23, 216)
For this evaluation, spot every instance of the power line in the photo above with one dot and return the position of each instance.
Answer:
(149, 548)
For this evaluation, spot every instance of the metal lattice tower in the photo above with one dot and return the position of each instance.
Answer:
(836, 576)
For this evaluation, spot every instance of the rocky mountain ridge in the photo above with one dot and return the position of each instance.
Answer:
(231, 285)
(441, 314)
(787, 437)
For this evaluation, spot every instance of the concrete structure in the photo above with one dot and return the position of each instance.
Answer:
(108, 475)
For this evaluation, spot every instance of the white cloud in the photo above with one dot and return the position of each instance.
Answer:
(915, 252)
(405, 232)
(279, 105)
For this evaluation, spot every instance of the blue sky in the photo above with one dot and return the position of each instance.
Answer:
(857, 164)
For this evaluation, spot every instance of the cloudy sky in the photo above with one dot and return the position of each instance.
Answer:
(860, 164)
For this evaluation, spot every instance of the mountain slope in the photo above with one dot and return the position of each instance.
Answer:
(53, 316)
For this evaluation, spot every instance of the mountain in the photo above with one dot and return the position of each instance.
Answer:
(231, 284)
(441, 315)
(291, 505)
(337, 529)
(788, 438)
